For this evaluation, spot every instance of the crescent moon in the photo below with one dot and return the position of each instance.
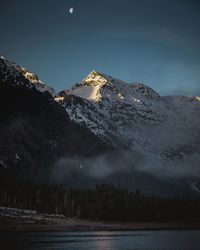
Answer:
(71, 10)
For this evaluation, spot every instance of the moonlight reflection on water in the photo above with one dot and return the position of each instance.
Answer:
(121, 240)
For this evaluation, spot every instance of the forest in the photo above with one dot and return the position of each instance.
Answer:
(104, 202)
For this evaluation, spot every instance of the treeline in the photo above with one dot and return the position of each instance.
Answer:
(104, 202)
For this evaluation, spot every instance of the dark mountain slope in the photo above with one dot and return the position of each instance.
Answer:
(35, 131)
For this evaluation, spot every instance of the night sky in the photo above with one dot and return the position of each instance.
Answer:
(156, 42)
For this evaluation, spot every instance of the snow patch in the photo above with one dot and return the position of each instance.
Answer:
(87, 92)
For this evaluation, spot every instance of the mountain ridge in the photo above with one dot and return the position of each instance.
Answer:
(111, 132)
(137, 101)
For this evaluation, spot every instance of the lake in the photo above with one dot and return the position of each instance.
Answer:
(121, 240)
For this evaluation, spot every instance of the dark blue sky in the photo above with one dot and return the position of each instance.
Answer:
(156, 42)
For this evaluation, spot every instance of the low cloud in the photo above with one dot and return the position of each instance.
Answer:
(126, 162)
(163, 152)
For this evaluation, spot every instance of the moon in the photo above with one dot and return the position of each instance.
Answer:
(71, 10)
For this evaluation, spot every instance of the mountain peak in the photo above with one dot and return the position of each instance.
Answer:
(95, 73)
(99, 85)
(11, 73)
(97, 78)
(20, 76)
(40, 86)
(91, 87)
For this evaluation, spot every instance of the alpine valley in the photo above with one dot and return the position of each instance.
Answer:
(101, 130)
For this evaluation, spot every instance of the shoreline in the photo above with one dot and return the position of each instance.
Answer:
(78, 225)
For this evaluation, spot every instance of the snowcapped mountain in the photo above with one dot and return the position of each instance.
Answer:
(158, 135)
(137, 136)
(15, 75)
(134, 116)
(107, 105)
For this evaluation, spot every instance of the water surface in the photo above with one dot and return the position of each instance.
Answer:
(121, 240)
